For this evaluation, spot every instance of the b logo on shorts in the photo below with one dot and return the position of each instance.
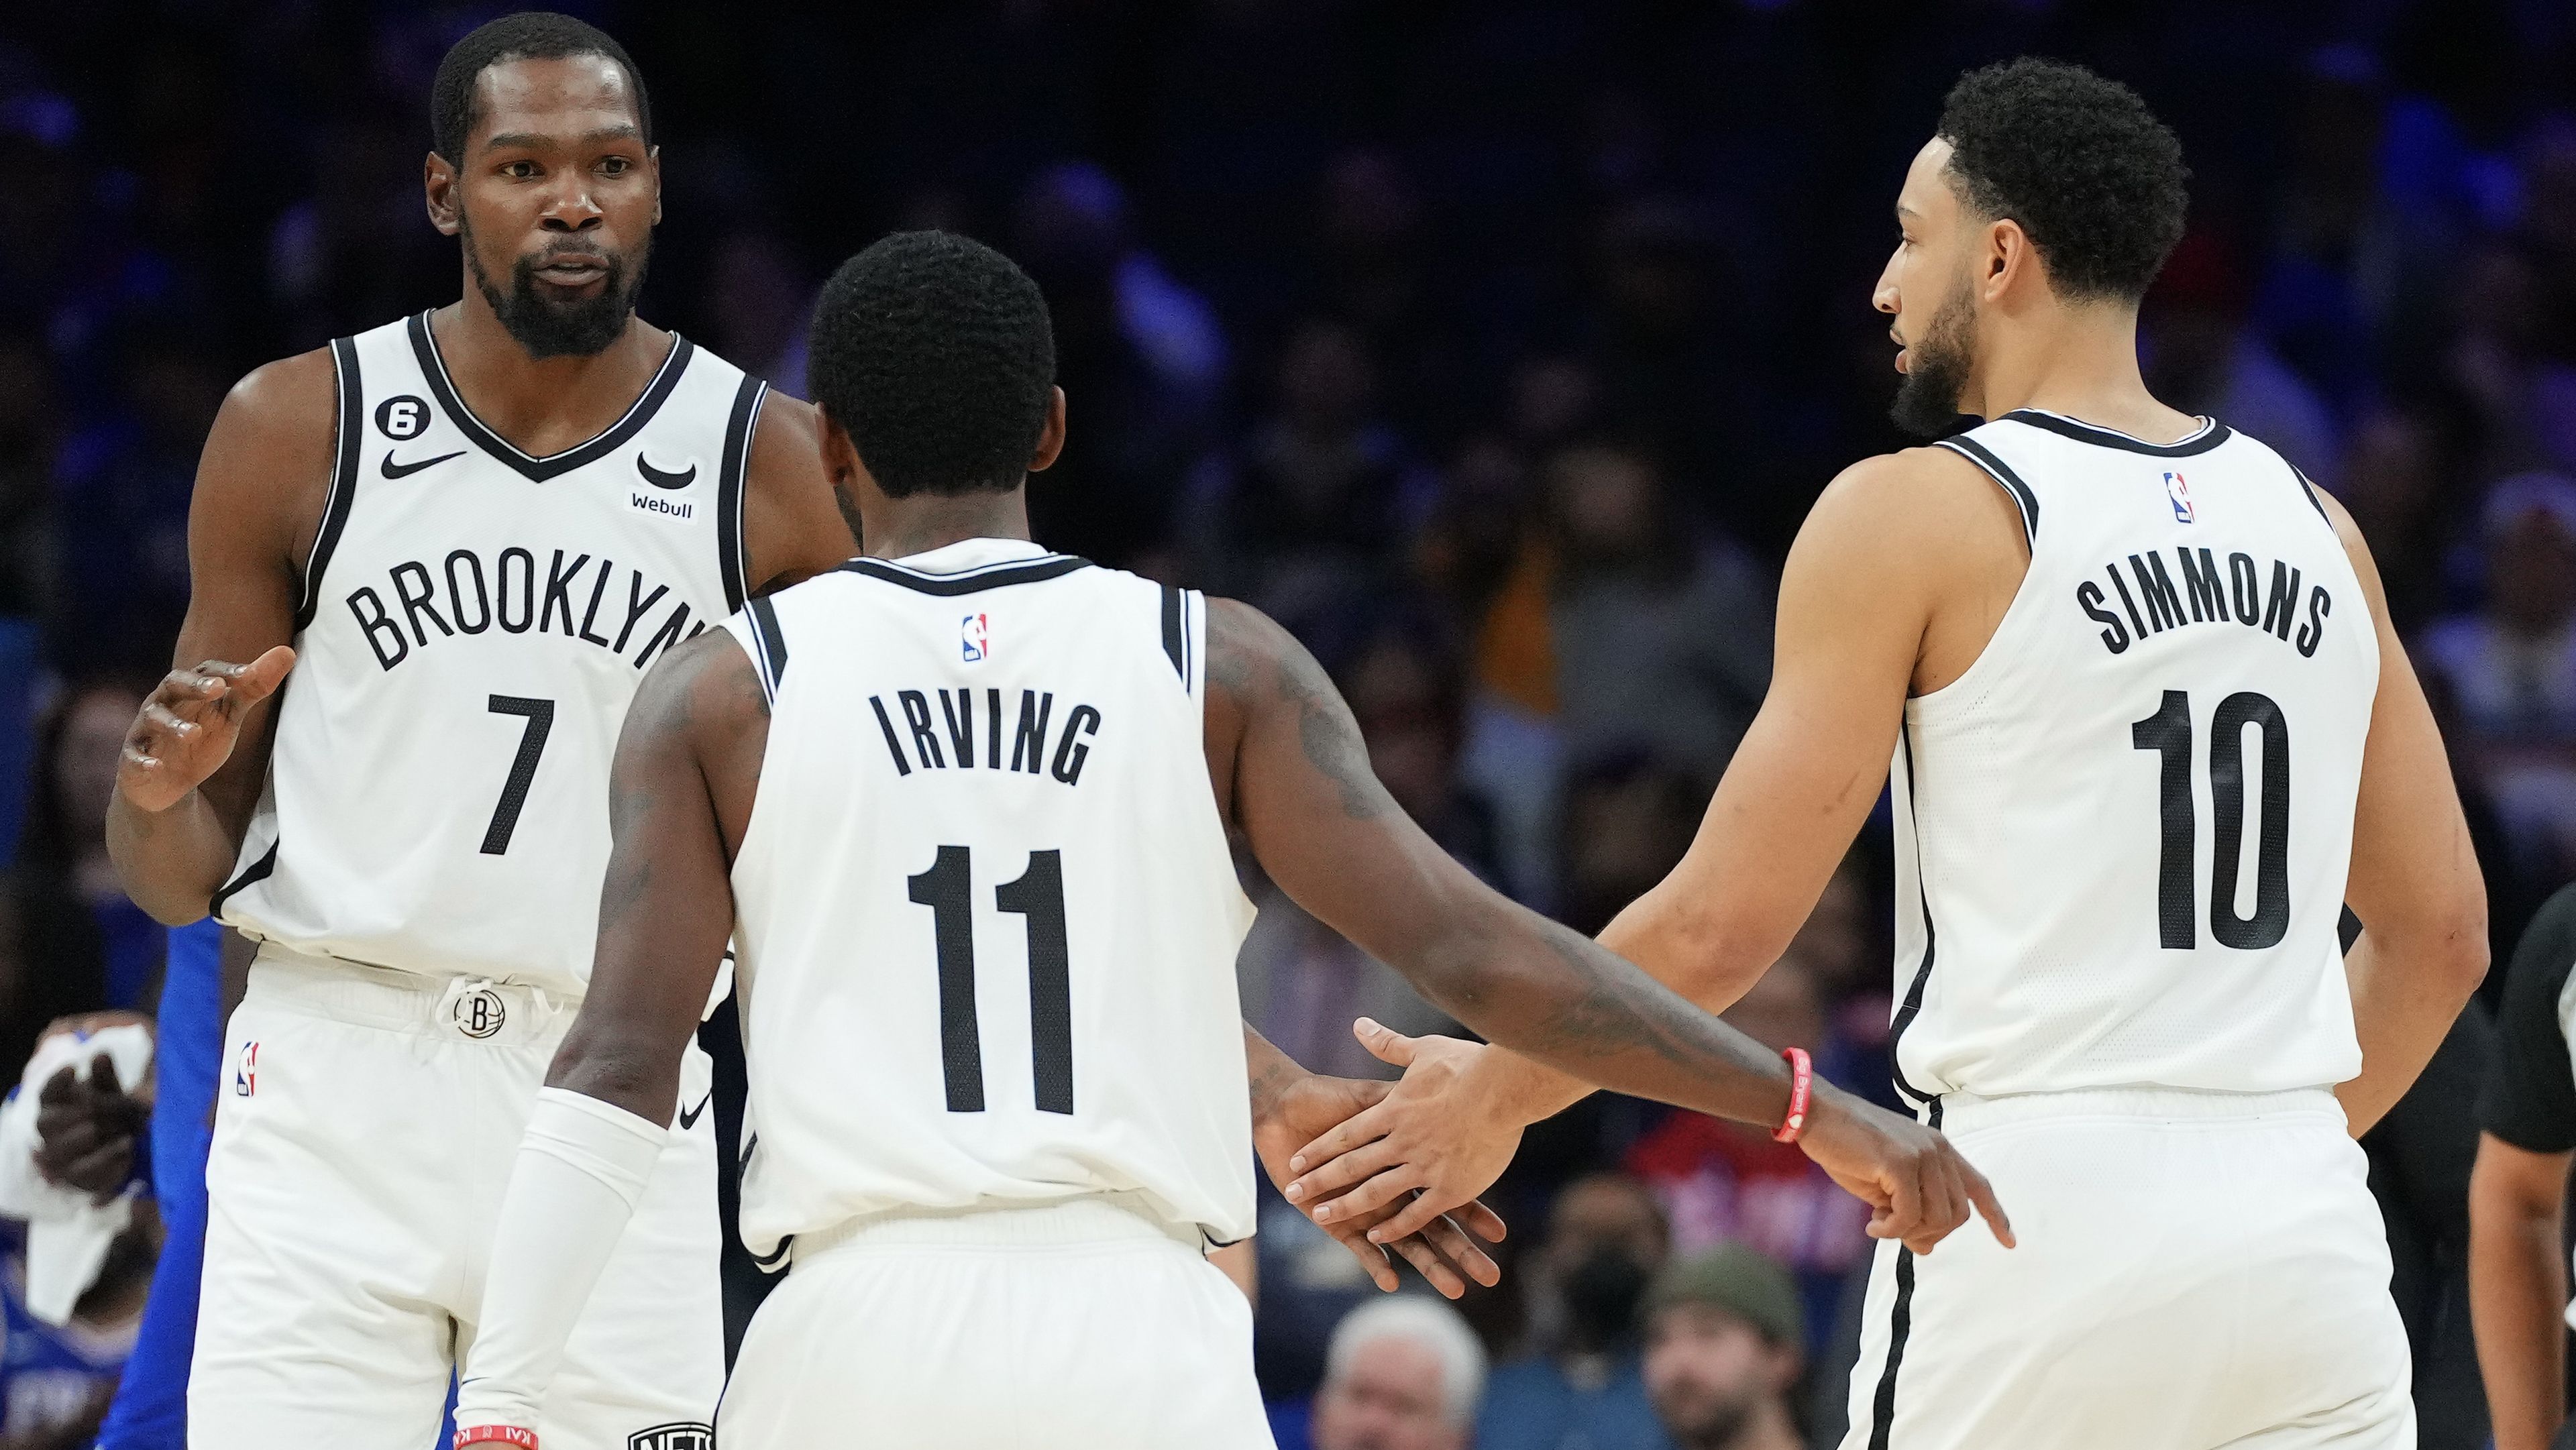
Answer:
(479, 1013)
(681, 1436)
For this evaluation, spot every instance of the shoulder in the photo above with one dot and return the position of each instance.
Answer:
(787, 449)
(1916, 509)
(294, 399)
(701, 690)
(793, 527)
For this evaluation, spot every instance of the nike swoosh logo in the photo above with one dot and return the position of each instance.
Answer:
(689, 1118)
(399, 470)
(659, 479)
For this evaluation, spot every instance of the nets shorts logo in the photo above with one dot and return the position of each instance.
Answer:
(680, 1436)
(246, 1070)
(975, 638)
(479, 1013)
(2180, 493)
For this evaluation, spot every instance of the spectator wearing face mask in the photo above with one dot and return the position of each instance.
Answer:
(1583, 1390)
(1723, 1351)
(1402, 1374)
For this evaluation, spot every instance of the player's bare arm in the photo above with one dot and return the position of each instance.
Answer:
(2518, 1288)
(2414, 883)
(1893, 586)
(792, 524)
(1291, 771)
(195, 759)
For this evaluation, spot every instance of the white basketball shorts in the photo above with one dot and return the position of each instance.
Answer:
(2195, 1271)
(1080, 1325)
(364, 1132)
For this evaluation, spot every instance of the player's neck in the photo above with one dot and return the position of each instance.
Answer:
(542, 405)
(2079, 361)
(897, 528)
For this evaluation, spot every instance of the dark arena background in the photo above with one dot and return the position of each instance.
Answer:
(1498, 349)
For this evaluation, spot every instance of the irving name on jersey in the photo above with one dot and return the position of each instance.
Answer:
(957, 710)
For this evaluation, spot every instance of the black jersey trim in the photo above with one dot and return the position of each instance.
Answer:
(257, 871)
(2309, 485)
(733, 561)
(553, 465)
(949, 586)
(1172, 634)
(1900, 1327)
(2211, 434)
(1912, 1006)
(2001, 472)
(771, 660)
(344, 477)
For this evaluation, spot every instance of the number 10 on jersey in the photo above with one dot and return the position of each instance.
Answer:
(2168, 732)
(948, 889)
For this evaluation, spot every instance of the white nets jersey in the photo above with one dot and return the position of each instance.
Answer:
(473, 622)
(985, 913)
(2122, 835)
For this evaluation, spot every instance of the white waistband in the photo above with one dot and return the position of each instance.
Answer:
(1092, 1219)
(1966, 1112)
(473, 1008)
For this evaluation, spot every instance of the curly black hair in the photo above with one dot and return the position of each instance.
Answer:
(528, 35)
(936, 353)
(2079, 161)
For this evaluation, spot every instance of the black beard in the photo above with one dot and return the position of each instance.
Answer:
(1936, 371)
(583, 327)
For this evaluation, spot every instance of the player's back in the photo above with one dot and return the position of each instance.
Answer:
(986, 913)
(2122, 835)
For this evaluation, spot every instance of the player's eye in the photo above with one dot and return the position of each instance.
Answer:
(519, 170)
(616, 166)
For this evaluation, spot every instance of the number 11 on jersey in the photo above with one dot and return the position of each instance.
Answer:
(947, 888)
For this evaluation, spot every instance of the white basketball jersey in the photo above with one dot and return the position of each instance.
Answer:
(986, 916)
(473, 622)
(2122, 835)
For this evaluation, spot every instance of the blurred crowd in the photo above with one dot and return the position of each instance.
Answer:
(1498, 350)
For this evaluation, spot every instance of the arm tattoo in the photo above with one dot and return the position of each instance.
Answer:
(1331, 737)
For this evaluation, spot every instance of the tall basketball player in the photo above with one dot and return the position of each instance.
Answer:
(962, 807)
(470, 532)
(2150, 732)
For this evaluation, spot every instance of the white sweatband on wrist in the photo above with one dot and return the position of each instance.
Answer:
(581, 1170)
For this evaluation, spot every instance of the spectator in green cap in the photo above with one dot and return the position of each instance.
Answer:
(1723, 1351)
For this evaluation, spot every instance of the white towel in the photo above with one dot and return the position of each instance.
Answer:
(67, 1234)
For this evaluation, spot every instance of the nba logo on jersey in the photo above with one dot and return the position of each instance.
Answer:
(974, 637)
(246, 1071)
(2180, 493)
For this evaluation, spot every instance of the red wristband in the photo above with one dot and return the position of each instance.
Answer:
(1802, 1086)
(495, 1435)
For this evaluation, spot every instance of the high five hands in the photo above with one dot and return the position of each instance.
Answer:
(187, 727)
(1437, 1140)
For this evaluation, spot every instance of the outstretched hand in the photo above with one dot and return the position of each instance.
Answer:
(1444, 1249)
(1427, 1147)
(1916, 1184)
(187, 727)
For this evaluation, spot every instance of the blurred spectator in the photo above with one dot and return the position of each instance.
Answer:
(1142, 355)
(1724, 1349)
(2512, 665)
(122, 489)
(1725, 1182)
(1324, 493)
(56, 1381)
(2202, 358)
(1581, 1387)
(2391, 480)
(1402, 1374)
(1657, 641)
(66, 851)
(1628, 819)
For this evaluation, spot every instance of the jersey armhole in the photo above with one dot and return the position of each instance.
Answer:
(733, 553)
(2308, 486)
(1184, 634)
(767, 646)
(346, 422)
(2024, 500)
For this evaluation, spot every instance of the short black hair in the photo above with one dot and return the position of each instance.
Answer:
(937, 355)
(2089, 172)
(528, 35)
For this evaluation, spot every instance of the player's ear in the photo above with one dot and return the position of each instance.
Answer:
(2007, 255)
(1051, 435)
(653, 158)
(438, 188)
(840, 456)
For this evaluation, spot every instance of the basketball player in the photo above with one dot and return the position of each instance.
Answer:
(962, 806)
(470, 531)
(2150, 732)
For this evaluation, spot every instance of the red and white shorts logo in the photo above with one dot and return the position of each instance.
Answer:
(975, 638)
(246, 1071)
